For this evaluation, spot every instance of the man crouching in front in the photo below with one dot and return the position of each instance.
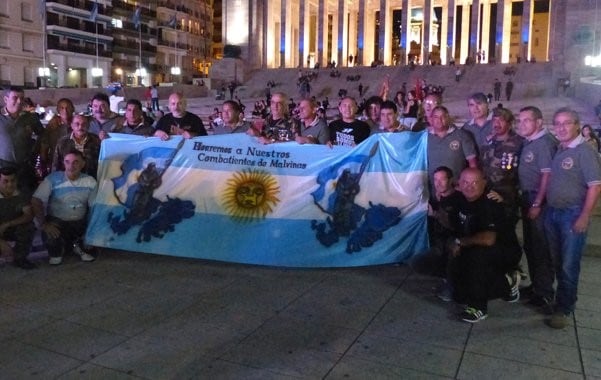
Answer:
(485, 253)
(60, 206)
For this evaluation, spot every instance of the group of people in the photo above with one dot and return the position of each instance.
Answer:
(497, 90)
(483, 177)
(48, 175)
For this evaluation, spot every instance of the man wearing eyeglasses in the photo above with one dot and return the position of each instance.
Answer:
(430, 102)
(279, 126)
(484, 254)
(574, 186)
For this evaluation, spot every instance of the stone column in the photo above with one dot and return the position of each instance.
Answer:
(465, 31)
(382, 31)
(321, 32)
(405, 22)
(370, 38)
(303, 34)
(475, 34)
(499, 29)
(340, 45)
(361, 34)
(557, 32)
(426, 31)
(353, 33)
(447, 34)
(265, 32)
(526, 32)
(485, 32)
(283, 26)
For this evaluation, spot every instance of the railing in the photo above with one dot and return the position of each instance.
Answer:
(82, 4)
(53, 44)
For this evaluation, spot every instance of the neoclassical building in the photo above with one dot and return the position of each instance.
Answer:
(291, 33)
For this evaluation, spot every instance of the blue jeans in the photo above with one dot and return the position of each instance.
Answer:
(566, 249)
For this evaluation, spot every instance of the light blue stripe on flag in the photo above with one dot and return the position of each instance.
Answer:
(230, 198)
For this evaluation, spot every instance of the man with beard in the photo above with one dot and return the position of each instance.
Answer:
(81, 140)
(103, 119)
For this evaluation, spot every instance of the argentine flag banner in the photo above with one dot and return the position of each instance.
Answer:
(230, 198)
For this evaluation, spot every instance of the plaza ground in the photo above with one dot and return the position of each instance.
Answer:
(140, 316)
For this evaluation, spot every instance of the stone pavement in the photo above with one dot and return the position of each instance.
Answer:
(140, 316)
(132, 316)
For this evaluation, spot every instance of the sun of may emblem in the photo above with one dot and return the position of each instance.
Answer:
(250, 194)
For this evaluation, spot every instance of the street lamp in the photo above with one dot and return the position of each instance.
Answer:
(592, 61)
(176, 70)
(43, 72)
(140, 73)
(97, 76)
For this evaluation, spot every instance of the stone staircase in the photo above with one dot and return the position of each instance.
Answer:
(531, 80)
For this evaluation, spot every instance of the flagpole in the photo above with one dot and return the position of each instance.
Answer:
(44, 45)
(140, 52)
(95, 23)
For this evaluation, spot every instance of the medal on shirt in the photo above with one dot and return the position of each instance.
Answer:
(509, 161)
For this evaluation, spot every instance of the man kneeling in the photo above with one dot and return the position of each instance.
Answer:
(60, 206)
(15, 220)
(485, 253)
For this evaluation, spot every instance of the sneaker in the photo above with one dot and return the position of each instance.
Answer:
(559, 320)
(87, 257)
(527, 291)
(472, 315)
(513, 278)
(77, 249)
(82, 254)
(541, 302)
(445, 291)
(55, 260)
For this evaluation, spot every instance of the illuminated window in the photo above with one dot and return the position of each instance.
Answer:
(117, 23)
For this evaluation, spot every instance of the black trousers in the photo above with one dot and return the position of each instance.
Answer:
(478, 274)
(70, 232)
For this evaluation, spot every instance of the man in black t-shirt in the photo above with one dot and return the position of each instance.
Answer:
(485, 251)
(441, 208)
(179, 121)
(348, 130)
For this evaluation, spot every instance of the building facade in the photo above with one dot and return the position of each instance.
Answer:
(90, 43)
(184, 40)
(20, 43)
(293, 33)
(78, 42)
(134, 32)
